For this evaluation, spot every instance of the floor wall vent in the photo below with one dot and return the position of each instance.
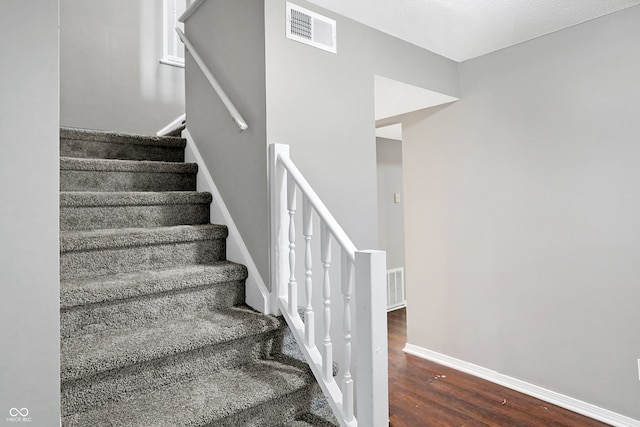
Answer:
(396, 294)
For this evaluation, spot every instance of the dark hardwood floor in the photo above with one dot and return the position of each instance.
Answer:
(426, 394)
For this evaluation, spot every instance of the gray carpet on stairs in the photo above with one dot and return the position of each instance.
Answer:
(116, 145)
(126, 175)
(153, 327)
(99, 210)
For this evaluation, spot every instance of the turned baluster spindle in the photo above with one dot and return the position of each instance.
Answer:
(347, 381)
(327, 346)
(291, 207)
(307, 231)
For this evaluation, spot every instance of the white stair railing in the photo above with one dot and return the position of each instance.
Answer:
(360, 399)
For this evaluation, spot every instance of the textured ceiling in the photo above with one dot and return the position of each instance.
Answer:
(465, 29)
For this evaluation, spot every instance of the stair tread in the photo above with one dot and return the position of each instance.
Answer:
(90, 354)
(131, 198)
(117, 165)
(312, 420)
(175, 350)
(86, 240)
(203, 401)
(120, 137)
(93, 290)
(309, 423)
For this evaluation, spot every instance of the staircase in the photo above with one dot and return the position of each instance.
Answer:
(154, 331)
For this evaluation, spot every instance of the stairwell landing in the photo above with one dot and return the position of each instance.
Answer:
(154, 331)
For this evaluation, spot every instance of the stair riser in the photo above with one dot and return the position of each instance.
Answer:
(74, 180)
(97, 217)
(270, 414)
(130, 259)
(149, 309)
(90, 392)
(117, 150)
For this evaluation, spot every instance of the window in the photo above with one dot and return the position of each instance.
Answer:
(172, 47)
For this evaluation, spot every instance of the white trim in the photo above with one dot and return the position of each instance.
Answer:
(570, 403)
(256, 293)
(174, 63)
(190, 10)
(171, 47)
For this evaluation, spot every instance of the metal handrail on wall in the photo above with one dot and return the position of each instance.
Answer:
(360, 399)
(235, 115)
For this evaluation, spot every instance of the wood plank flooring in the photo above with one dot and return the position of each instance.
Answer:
(426, 394)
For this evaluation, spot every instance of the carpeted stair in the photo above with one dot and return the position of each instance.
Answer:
(154, 331)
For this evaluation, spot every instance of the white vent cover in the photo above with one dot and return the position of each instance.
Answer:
(395, 289)
(310, 28)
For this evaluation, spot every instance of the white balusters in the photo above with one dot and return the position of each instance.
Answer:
(291, 207)
(362, 275)
(327, 346)
(347, 381)
(307, 231)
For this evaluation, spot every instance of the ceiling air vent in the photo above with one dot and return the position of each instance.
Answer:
(310, 28)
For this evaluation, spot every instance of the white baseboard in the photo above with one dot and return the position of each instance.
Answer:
(256, 293)
(552, 397)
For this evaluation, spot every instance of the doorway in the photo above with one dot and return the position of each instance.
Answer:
(391, 210)
(394, 100)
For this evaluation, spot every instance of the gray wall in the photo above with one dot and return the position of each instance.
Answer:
(323, 109)
(390, 214)
(319, 103)
(29, 285)
(522, 205)
(405, 62)
(110, 77)
(322, 105)
(230, 38)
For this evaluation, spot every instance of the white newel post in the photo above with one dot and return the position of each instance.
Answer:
(371, 310)
(279, 222)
